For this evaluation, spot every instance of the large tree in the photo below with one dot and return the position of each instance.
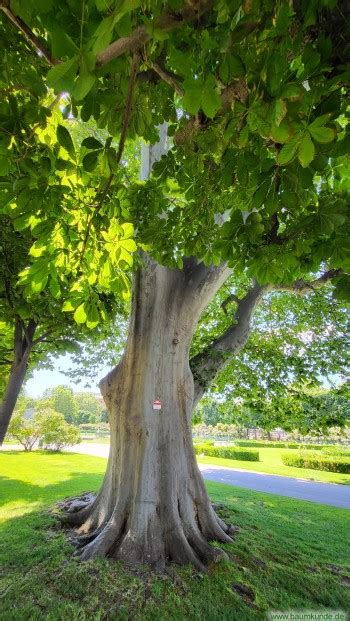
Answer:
(255, 183)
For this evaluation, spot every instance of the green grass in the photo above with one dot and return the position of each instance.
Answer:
(271, 463)
(287, 553)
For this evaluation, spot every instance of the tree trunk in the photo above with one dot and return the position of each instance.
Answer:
(9, 400)
(22, 346)
(153, 506)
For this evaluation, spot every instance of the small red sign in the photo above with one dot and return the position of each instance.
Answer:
(157, 404)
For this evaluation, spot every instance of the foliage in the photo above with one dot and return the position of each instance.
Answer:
(55, 432)
(46, 426)
(26, 430)
(295, 342)
(61, 399)
(310, 411)
(77, 408)
(308, 459)
(227, 452)
(263, 138)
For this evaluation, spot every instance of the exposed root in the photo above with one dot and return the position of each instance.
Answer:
(80, 541)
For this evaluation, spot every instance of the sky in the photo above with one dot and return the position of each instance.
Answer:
(43, 378)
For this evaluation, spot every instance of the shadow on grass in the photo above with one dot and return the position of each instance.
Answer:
(12, 490)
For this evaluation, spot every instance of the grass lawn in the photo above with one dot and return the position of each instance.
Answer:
(287, 554)
(271, 463)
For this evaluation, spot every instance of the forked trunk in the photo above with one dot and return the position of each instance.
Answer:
(153, 506)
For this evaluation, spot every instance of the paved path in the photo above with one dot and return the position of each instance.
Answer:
(323, 493)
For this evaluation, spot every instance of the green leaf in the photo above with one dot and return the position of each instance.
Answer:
(92, 316)
(128, 244)
(320, 120)
(92, 143)
(341, 147)
(90, 161)
(293, 92)
(65, 140)
(231, 67)
(104, 32)
(83, 85)
(61, 76)
(243, 137)
(68, 306)
(54, 287)
(281, 133)
(322, 134)
(38, 275)
(62, 45)
(104, 5)
(80, 315)
(4, 166)
(128, 230)
(279, 112)
(192, 97)
(287, 152)
(342, 288)
(306, 151)
(210, 100)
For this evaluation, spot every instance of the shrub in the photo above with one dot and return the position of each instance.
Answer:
(55, 432)
(201, 441)
(25, 430)
(290, 445)
(336, 451)
(317, 461)
(227, 452)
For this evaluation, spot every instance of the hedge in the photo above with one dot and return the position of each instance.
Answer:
(290, 445)
(227, 452)
(202, 442)
(317, 462)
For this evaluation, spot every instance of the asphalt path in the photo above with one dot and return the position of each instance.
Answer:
(302, 489)
(323, 493)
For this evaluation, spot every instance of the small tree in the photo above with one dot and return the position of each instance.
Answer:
(55, 432)
(25, 430)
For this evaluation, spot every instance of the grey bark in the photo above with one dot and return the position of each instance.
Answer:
(153, 506)
(23, 342)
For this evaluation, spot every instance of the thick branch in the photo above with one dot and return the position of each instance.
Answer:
(168, 77)
(214, 358)
(301, 287)
(206, 365)
(202, 282)
(29, 36)
(231, 298)
(137, 39)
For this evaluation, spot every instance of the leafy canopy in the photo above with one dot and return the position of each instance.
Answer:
(255, 95)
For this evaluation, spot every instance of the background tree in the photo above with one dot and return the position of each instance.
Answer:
(34, 322)
(24, 430)
(55, 433)
(61, 399)
(255, 185)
